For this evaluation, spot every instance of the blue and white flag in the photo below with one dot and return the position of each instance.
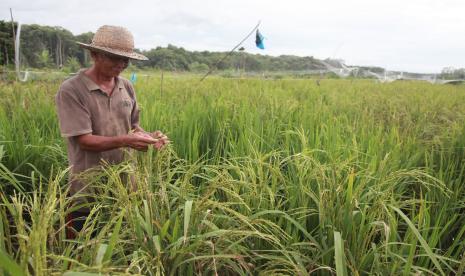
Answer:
(259, 40)
(133, 78)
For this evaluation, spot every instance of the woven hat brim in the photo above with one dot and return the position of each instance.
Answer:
(131, 55)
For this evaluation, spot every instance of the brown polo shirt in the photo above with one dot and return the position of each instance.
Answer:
(83, 108)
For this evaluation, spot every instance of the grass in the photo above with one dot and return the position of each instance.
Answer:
(262, 177)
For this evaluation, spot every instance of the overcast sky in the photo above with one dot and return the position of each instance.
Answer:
(410, 35)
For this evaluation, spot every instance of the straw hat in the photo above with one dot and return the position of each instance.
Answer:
(114, 40)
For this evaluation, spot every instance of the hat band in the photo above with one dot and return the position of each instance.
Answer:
(113, 47)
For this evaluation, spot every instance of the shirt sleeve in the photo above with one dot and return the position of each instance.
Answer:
(135, 107)
(73, 115)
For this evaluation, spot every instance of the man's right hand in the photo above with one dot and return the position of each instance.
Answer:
(102, 143)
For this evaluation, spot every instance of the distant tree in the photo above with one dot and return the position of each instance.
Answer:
(198, 67)
(60, 44)
(452, 73)
(7, 54)
(82, 54)
(252, 63)
(43, 59)
(55, 46)
(72, 65)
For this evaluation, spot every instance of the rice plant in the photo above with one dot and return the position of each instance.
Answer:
(280, 177)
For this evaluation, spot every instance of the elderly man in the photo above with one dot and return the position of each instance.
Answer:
(98, 112)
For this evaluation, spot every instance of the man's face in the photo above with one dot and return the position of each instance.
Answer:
(111, 65)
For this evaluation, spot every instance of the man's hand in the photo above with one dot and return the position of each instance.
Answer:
(140, 140)
(161, 138)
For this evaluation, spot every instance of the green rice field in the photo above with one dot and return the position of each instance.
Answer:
(262, 177)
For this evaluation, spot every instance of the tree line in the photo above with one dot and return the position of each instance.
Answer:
(55, 47)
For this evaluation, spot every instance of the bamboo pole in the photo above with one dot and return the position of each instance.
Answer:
(230, 52)
(14, 44)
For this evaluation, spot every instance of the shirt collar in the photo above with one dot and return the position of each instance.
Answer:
(119, 83)
(92, 86)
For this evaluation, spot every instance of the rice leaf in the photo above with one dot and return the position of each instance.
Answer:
(9, 265)
(339, 256)
(422, 241)
(100, 254)
(114, 238)
(187, 217)
(77, 273)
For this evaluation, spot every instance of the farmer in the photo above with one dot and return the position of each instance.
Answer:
(98, 113)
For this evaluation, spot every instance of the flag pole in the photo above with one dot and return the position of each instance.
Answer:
(230, 52)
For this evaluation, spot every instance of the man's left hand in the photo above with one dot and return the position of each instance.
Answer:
(162, 138)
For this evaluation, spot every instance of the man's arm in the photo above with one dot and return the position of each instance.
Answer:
(98, 143)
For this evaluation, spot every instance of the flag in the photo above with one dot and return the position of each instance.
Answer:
(259, 40)
(133, 78)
